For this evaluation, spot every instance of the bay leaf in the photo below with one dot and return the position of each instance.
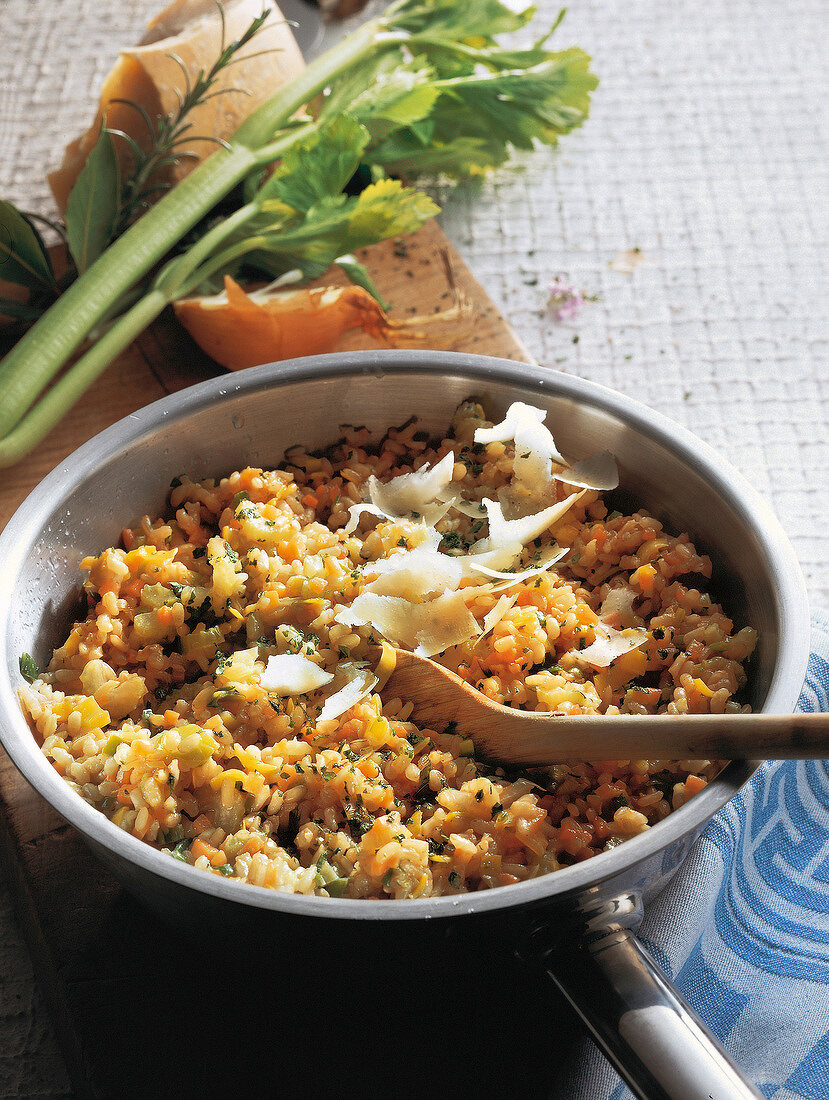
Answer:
(23, 256)
(92, 208)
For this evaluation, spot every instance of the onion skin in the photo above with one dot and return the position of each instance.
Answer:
(244, 331)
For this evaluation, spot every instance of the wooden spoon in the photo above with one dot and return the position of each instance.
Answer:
(527, 737)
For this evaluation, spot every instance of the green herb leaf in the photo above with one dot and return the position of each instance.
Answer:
(448, 18)
(23, 256)
(339, 224)
(391, 96)
(319, 166)
(149, 166)
(358, 274)
(92, 208)
(489, 100)
(28, 668)
(481, 116)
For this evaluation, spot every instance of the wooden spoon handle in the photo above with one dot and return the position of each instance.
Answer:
(547, 740)
(520, 737)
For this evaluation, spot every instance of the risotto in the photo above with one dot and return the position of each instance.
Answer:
(222, 699)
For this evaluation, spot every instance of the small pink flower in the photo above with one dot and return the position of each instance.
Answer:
(566, 301)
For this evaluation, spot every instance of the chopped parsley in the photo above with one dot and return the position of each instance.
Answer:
(613, 805)
(28, 667)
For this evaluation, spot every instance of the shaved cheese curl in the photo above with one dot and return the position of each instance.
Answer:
(412, 493)
(355, 514)
(535, 448)
(444, 622)
(611, 645)
(416, 574)
(554, 554)
(490, 559)
(293, 674)
(506, 532)
(427, 628)
(618, 603)
(518, 413)
(355, 690)
(493, 617)
(471, 508)
(599, 471)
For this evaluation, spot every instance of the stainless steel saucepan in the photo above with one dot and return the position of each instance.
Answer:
(579, 923)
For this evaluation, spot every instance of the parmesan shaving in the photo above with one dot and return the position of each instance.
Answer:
(411, 493)
(356, 512)
(535, 452)
(555, 553)
(444, 622)
(599, 471)
(517, 501)
(611, 645)
(493, 617)
(357, 688)
(617, 604)
(509, 532)
(519, 414)
(471, 508)
(427, 628)
(490, 559)
(535, 448)
(292, 674)
(416, 574)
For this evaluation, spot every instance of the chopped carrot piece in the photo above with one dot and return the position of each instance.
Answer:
(694, 784)
(644, 577)
(214, 855)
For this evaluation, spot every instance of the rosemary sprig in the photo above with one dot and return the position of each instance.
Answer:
(167, 133)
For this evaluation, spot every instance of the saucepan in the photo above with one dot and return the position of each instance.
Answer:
(578, 924)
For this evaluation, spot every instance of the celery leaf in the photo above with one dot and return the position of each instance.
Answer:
(448, 18)
(395, 95)
(478, 119)
(338, 225)
(320, 165)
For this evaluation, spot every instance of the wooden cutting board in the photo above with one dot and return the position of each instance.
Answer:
(144, 1010)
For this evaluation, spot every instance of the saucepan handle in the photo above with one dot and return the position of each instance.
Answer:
(656, 1042)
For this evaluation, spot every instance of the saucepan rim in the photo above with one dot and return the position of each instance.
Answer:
(22, 531)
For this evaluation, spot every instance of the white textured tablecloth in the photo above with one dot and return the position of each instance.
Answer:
(706, 149)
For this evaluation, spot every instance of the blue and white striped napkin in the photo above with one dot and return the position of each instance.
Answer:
(742, 930)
